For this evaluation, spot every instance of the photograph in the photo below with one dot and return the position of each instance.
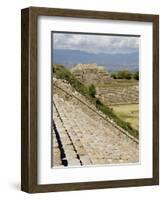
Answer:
(95, 98)
(89, 99)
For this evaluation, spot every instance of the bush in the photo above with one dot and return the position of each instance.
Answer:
(125, 74)
(92, 90)
(136, 76)
(114, 75)
(62, 73)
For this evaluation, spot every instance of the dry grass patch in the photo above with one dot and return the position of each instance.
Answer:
(128, 113)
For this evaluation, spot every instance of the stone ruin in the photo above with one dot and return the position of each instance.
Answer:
(91, 74)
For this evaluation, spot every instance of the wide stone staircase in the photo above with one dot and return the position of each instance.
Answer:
(84, 136)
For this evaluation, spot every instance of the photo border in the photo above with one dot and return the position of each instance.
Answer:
(29, 174)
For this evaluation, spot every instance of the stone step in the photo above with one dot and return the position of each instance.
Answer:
(71, 155)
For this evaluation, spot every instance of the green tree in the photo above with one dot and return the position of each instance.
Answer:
(136, 76)
(92, 90)
(114, 75)
(128, 75)
(124, 74)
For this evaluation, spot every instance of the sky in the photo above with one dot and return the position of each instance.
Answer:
(96, 43)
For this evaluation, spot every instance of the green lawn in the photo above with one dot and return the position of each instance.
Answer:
(128, 113)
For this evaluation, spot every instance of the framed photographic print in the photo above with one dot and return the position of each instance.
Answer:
(90, 99)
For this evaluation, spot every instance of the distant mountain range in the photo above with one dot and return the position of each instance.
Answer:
(112, 62)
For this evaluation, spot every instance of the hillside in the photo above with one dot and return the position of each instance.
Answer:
(112, 62)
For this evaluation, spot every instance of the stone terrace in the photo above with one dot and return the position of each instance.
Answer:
(119, 95)
(91, 73)
(109, 91)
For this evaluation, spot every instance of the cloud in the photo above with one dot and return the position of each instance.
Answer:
(96, 43)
